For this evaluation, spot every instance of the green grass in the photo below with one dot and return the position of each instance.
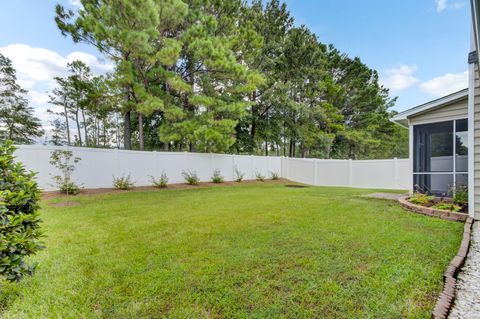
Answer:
(254, 250)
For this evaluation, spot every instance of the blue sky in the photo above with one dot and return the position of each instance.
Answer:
(419, 47)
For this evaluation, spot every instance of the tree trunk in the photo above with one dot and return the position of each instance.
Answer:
(127, 131)
(67, 125)
(140, 131)
(78, 128)
(85, 129)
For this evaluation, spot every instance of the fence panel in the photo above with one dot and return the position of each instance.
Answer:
(333, 172)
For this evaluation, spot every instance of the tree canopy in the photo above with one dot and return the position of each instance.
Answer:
(17, 121)
(219, 76)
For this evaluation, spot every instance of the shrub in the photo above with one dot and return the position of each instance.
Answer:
(123, 182)
(65, 162)
(275, 176)
(259, 177)
(420, 198)
(238, 175)
(217, 176)
(460, 196)
(191, 177)
(448, 206)
(19, 217)
(160, 182)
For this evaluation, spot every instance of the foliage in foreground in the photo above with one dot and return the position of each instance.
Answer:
(191, 177)
(19, 216)
(65, 162)
(123, 182)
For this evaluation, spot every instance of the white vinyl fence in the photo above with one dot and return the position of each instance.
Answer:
(388, 174)
(98, 166)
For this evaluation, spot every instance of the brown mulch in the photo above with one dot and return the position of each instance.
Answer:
(98, 191)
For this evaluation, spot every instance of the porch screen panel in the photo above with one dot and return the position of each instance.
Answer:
(440, 156)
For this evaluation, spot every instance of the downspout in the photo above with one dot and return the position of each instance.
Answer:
(473, 60)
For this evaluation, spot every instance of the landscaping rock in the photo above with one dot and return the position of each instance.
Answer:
(467, 303)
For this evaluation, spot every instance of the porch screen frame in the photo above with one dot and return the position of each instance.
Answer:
(454, 171)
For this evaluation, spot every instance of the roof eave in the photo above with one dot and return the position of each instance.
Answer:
(402, 118)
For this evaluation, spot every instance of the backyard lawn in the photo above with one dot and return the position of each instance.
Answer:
(251, 250)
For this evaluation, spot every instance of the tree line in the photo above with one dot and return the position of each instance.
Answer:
(218, 76)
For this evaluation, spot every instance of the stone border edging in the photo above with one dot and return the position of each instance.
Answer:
(440, 213)
(446, 299)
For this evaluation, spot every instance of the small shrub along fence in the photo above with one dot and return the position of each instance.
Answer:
(97, 166)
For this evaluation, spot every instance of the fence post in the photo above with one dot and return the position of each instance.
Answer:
(252, 174)
(212, 167)
(116, 163)
(350, 172)
(315, 172)
(185, 161)
(233, 167)
(287, 168)
(395, 169)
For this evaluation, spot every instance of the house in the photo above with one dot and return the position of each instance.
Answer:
(444, 135)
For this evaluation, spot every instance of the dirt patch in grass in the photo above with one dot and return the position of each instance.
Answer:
(296, 186)
(98, 191)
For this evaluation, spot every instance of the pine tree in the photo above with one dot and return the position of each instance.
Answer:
(17, 121)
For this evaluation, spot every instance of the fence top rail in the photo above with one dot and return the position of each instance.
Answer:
(106, 150)
(328, 160)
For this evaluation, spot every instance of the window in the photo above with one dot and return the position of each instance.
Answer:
(440, 156)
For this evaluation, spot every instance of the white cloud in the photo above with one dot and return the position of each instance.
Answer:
(40, 65)
(36, 97)
(445, 84)
(37, 67)
(75, 3)
(442, 5)
(400, 78)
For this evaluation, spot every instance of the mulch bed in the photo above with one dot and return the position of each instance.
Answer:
(433, 212)
(99, 191)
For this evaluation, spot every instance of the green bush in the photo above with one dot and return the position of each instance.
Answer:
(420, 198)
(160, 182)
(191, 177)
(19, 217)
(238, 175)
(65, 162)
(448, 206)
(123, 182)
(259, 177)
(460, 196)
(275, 176)
(69, 188)
(217, 177)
